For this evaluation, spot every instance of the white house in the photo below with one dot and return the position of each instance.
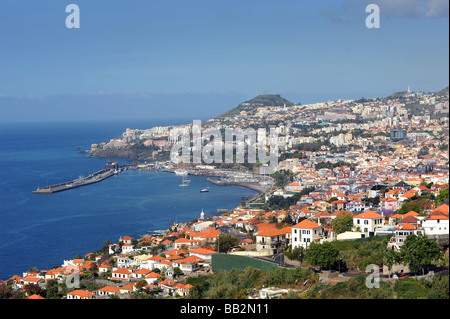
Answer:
(126, 240)
(368, 221)
(104, 268)
(127, 249)
(151, 262)
(107, 291)
(435, 224)
(122, 274)
(202, 225)
(180, 242)
(141, 273)
(202, 253)
(355, 206)
(293, 187)
(152, 277)
(80, 294)
(123, 262)
(163, 264)
(304, 233)
(188, 264)
(341, 187)
(112, 249)
(401, 232)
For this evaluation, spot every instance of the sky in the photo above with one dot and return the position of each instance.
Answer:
(200, 58)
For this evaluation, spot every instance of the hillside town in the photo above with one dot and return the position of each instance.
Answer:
(348, 171)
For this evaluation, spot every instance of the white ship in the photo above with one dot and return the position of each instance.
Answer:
(185, 182)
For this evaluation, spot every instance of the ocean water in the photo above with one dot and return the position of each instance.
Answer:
(43, 230)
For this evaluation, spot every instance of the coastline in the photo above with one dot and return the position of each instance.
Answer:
(218, 209)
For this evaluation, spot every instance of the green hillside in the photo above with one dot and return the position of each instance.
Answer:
(258, 101)
(443, 92)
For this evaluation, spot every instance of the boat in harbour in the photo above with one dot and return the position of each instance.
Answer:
(181, 173)
(205, 190)
(185, 182)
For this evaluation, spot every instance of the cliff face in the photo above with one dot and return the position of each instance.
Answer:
(122, 153)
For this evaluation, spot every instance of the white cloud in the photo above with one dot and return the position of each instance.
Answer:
(413, 8)
(437, 8)
(352, 11)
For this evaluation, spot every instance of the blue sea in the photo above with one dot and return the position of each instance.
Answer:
(44, 230)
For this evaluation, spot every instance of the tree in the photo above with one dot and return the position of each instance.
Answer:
(52, 289)
(419, 252)
(322, 255)
(33, 270)
(390, 258)
(225, 242)
(297, 253)
(177, 271)
(415, 204)
(442, 196)
(342, 223)
(32, 289)
(140, 284)
(200, 286)
(332, 199)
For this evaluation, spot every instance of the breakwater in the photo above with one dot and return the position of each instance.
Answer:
(111, 169)
(252, 185)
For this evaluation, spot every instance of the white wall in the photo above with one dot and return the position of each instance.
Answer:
(436, 227)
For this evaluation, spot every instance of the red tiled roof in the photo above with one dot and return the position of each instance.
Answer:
(368, 215)
(406, 226)
(109, 289)
(306, 223)
(35, 297)
(81, 293)
(203, 251)
(153, 275)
